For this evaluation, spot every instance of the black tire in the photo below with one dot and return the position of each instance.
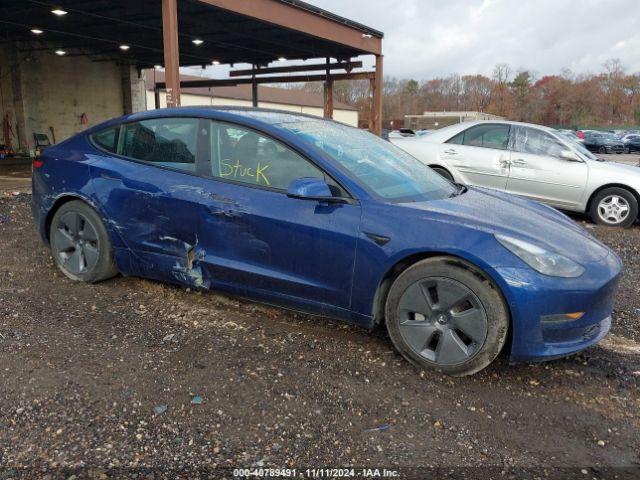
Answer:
(80, 243)
(598, 208)
(492, 316)
(443, 172)
(602, 150)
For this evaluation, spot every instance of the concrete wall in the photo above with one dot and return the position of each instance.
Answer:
(56, 92)
(349, 117)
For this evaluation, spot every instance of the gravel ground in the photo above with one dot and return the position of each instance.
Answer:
(102, 378)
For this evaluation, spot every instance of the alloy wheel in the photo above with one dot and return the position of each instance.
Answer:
(613, 209)
(76, 243)
(442, 320)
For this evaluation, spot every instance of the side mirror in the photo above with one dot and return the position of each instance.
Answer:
(311, 188)
(570, 156)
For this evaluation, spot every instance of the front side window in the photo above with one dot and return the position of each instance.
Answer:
(536, 142)
(378, 165)
(246, 156)
(487, 136)
(107, 139)
(167, 142)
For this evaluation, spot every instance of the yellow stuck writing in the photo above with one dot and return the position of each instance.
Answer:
(237, 170)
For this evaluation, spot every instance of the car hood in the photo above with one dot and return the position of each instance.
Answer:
(627, 172)
(494, 212)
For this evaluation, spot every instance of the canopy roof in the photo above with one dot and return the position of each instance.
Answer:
(232, 31)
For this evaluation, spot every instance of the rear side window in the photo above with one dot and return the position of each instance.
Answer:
(487, 136)
(168, 142)
(107, 139)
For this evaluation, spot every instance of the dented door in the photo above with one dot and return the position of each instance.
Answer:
(152, 196)
(156, 213)
(276, 247)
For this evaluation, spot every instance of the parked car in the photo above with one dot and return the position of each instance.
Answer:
(633, 143)
(571, 134)
(628, 137)
(6, 151)
(322, 217)
(603, 142)
(533, 161)
(423, 132)
(401, 133)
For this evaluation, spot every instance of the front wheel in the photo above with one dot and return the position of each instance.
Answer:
(80, 243)
(444, 314)
(614, 207)
(602, 150)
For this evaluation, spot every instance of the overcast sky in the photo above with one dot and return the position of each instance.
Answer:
(429, 38)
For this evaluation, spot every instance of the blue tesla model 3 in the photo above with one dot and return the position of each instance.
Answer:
(317, 216)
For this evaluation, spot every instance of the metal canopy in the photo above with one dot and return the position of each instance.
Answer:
(96, 28)
(174, 33)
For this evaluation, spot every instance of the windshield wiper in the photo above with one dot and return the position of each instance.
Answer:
(459, 190)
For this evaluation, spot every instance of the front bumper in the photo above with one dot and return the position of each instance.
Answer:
(532, 296)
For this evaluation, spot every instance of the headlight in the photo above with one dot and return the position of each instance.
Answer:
(541, 260)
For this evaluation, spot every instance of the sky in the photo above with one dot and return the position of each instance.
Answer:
(431, 38)
(425, 39)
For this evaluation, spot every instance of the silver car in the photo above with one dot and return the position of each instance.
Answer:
(533, 161)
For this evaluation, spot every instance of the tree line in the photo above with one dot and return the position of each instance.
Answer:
(605, 99)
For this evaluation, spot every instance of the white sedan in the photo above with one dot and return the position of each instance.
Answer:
(533, 161)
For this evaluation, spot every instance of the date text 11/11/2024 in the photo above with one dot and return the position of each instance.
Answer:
(315, 473)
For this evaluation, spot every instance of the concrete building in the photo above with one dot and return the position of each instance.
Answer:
(434, 120)
(59, 96)
(241, 95)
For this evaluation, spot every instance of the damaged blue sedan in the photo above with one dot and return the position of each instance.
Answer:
(317, 216)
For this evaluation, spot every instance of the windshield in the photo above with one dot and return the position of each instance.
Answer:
(580, 148)
(381, 167)
(605, 135)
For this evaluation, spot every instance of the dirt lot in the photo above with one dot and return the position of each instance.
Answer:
(82, 368)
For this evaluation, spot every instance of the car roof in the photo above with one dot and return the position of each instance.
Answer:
(266, 115)
(245, 115)
(450, 131)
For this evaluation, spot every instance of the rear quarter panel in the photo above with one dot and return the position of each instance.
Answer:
(64, 175)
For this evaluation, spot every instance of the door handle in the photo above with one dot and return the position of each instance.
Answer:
(451, 152)
(108, 176)
(519, 161)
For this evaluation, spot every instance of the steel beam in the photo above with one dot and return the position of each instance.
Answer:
(328, 91)
(254, 89)
(348, 66)
(171, 53)
(376, 106)
(289, 79)
(302, 20)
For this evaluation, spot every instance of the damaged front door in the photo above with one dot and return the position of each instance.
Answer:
(152, 196)
(262, 243)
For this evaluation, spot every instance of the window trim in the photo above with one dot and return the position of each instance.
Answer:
(100, 147)
(285, 144)
(120, 125)
(508, 125)
(137, 160)
(541, 131)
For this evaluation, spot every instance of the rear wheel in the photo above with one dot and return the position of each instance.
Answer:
(443, 314)
(443, 172)
(602, 150)
(80, 244)
(615, 207)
